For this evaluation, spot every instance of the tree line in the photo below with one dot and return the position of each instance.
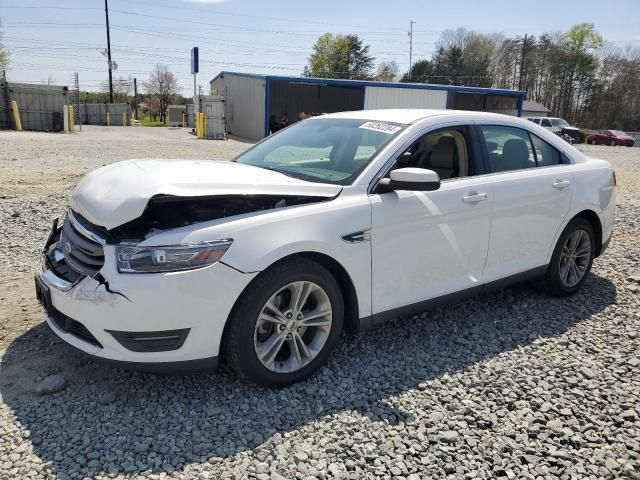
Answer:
(576, 74)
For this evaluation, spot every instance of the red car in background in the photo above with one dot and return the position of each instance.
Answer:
(613, 138)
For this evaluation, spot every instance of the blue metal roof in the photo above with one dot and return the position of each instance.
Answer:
(371, 83)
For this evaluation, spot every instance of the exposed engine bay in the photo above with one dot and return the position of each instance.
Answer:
(165, 212)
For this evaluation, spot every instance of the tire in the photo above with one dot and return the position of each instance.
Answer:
(554, 282)
(613, 144)
(246, 334)
(593, 142)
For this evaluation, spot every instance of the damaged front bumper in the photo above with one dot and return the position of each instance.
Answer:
(154, 322)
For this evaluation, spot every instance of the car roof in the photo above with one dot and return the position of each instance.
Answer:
(410, 115)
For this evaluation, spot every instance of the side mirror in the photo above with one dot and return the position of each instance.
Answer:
(413, 179)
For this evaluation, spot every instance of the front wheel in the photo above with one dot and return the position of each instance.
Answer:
(613, 144)
(571, 260)
(285, 324)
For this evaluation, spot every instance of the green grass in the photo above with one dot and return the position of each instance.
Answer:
(149, 122)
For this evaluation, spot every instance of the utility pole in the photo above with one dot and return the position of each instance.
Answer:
(106, 13)
(524, 53)
(135, 96)
(411, 22)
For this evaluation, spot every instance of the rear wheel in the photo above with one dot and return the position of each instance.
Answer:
(571, 260)
(613, 144)
(285, 324)
(593, 142)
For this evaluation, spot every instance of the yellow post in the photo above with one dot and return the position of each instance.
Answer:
(108, 119)
(16, 115)
(204, 126)
(72, 123)
(184, 120)
(124, 119)
(199, 125)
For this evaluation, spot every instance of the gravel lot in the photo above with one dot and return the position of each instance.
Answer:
(514, 384)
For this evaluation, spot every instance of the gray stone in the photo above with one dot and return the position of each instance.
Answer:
(108, 398)
(449, 436)
(611, 464)
(628, 415)
(301, 456)
(51, 384)
(634, 278)
(555, 425)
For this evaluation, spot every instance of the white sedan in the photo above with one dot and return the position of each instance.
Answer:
(336, 223)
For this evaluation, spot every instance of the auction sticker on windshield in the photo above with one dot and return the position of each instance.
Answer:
(381, 127)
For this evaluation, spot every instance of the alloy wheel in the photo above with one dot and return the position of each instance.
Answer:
(575, 258)
(293, 327)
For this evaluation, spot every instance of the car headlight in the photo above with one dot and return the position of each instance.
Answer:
(170, 258)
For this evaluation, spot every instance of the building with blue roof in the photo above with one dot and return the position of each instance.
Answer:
(253, 101)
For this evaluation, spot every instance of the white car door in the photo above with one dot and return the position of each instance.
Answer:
(532, 196)
(429, 244)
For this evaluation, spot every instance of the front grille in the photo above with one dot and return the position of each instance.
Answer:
(80, 246)
(73, 327)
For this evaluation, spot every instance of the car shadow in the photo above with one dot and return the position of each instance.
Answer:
(161, 423)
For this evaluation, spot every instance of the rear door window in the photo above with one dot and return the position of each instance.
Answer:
(509, 148)
(546, 122)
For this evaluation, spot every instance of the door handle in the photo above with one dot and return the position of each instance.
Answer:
(560, 184)
(474, 197)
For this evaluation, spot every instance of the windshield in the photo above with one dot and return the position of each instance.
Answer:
(618, 133)
(326, 150)
(559, 122)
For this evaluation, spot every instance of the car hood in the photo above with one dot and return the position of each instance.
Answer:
(118, 193)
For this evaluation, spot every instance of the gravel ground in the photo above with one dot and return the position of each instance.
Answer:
(514, 384)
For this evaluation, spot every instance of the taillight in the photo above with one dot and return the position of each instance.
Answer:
(615, 182)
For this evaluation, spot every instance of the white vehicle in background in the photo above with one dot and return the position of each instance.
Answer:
(560, 127)
(338, 222)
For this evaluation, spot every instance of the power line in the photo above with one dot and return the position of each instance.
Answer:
(199, 10)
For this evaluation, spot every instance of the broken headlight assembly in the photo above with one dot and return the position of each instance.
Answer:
(169, 258)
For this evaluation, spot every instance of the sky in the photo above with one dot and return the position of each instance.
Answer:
(52, 40)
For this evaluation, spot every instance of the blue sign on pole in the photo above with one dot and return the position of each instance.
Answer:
(195, 60)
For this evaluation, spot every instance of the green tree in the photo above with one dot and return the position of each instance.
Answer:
(387, 71)
(420, 72)
(340, 56)
(4, 54)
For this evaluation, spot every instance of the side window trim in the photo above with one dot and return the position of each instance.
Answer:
(481, 145)
(533, 148)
